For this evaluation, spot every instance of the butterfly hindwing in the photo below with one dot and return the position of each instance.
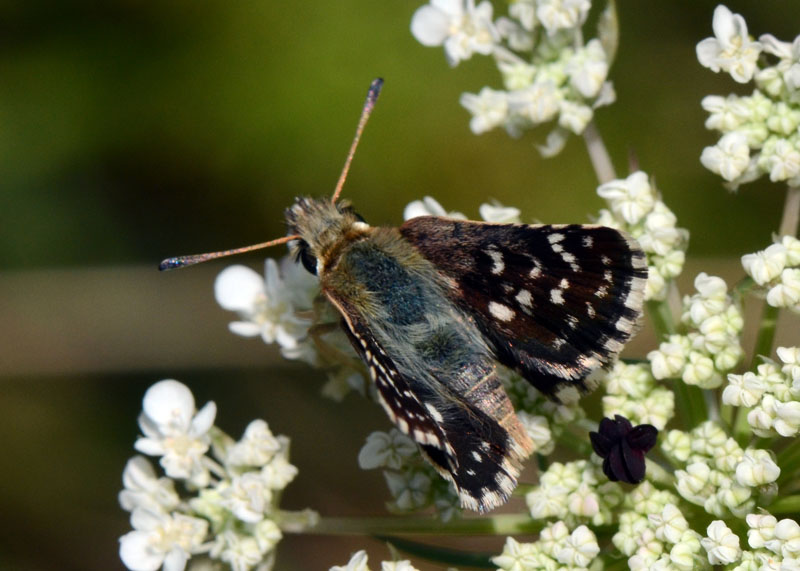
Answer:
(554, 301)
(466, 446)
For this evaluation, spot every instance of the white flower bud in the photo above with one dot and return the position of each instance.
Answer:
(792, 246)
(729, 158)
(787, 531)
(783, 119)
(579, 549)
(498, 213)
(743, 390)
(725, 113)
(668, 360)
(670, 524)
(693, 480)
(721, 544)
(677, 444)
(762, 529)
(757, 468)
(787, 421)
(553, 536)
(631, 199)
(489, 109)
(537, 103)
(766, 265)
(783, 162)
(787, 292)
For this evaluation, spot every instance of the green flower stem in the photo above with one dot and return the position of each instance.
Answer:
(690, 402)
(742, 432)
(726, 414)
(449, 557)
(658, 474)
(787, 505)
(579, 445)
(662, 319)
(598, 154)
(791, 212)
(766, 334)
(789, 462)
(504, 524)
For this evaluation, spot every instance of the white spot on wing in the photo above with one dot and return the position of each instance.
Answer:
(555, 238)
(435, 414)
(524, 298)
(588, 241)
(500, 311)
(498, 265)
(557, 296)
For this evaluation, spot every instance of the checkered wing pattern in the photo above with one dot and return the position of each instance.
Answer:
(554, 301)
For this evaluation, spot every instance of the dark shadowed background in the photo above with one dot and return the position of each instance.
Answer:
(131, 131)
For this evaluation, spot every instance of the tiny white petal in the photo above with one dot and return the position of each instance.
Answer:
(237, 286)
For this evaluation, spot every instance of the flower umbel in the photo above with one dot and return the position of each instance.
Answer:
(551, 76)
(229, 514)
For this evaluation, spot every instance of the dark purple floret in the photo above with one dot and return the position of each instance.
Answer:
(622, 447)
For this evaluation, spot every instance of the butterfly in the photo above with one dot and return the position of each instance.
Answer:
(432, 306)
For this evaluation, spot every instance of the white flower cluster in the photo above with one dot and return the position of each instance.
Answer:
(229, 516)
(710, 348)
(775, 544)
(664, 541)
(777, 270)
(548, 71)
(759, 131)
(636, 207)
(281, 308)
(271, 306)
(575, 492)
(718, 474)
(772, 393)
(358, 562)
(631, 391)
(654, 534)
(557, 548)
(412, 481)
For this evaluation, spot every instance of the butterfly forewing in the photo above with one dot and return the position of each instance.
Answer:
(554, 301)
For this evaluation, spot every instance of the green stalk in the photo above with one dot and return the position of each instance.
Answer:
(598, 154)
(662, 319)
(690, 402)
(658, 474)
(581, 446)
(766, 334)
(449, 557)
(789, 462)
(787, 505)
(501, 524)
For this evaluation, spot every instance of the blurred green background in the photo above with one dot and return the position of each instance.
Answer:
(131, 131)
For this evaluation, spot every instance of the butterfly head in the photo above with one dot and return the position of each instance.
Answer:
(321, 225)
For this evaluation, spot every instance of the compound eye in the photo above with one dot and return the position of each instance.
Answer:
(309, 261)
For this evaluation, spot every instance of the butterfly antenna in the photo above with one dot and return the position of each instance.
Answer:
(183, 261)
(369, 104)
